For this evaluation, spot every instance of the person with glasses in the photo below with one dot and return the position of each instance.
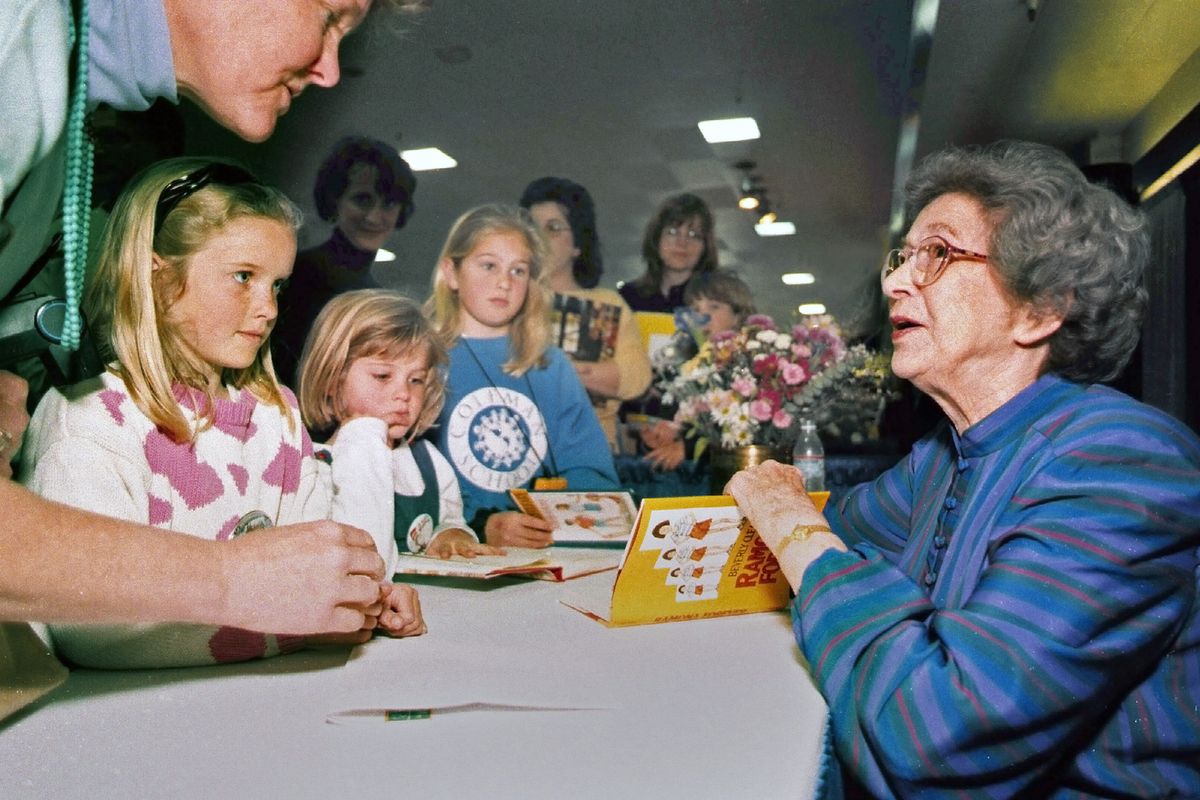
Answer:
(605, 347)
(516, 415)
(1013, 609)
(679, 242)
(366, 190)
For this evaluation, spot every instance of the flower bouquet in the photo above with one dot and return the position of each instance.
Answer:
(753, 386)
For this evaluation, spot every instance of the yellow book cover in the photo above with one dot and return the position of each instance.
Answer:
(656, 328)
(689, 558)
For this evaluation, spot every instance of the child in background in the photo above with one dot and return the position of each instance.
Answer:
(371, 374)
(188, 429)
(515, 409)
(723, 301)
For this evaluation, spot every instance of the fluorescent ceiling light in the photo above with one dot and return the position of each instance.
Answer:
(811, 308)
(384, 255)
(427, 158)
(799, 278)
(728, 130)
(775, 229)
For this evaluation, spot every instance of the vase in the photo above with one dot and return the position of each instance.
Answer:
(725, 461)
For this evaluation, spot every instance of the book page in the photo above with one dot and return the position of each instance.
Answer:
(552, 563)
(581, 516)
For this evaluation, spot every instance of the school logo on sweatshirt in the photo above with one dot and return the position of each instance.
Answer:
(496, 438)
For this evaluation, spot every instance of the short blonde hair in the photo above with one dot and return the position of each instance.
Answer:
(361, 324)
(127, 301)
(530, 328)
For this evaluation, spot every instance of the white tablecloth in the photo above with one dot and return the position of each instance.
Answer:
(718, 708)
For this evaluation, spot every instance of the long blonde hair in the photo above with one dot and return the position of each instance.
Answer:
(127, 300)
(361, 324)
(529, 330)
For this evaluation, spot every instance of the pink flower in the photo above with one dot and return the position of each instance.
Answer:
(760, 410)
(744, 386)
(794, 374)
(782, 420)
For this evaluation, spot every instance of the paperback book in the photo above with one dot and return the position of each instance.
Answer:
(584, 329)
(549, 564)
(581, 517)
(689, 558)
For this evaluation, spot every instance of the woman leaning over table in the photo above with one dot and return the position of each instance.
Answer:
(1013, 608)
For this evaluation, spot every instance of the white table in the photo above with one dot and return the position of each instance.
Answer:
(709, 709)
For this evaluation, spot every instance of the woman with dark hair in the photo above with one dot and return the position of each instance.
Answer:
(679, 242)
(1014, 608)
(619, 369)
(366, 190)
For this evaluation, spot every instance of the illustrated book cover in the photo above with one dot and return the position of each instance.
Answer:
(584, 329)
(689, 558)
(579, 517)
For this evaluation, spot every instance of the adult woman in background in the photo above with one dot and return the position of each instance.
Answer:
(1013, 609)
(723, 301)
(564, 211)
(679, 242)
(366, 190)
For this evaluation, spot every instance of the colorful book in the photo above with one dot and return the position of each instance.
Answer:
(550, 564)
(586, 330)
(689, 558)
(593, 517)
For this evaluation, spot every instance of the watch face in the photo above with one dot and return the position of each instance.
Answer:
(420, 531)
(251, 521)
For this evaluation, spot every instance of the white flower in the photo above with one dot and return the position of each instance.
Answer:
(766, 337)
(754, 344)
(783, 342)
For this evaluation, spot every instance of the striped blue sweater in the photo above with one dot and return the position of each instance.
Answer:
(1019, 610)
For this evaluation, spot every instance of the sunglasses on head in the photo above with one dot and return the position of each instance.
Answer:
(187, 185)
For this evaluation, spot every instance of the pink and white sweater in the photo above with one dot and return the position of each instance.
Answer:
(89, 446)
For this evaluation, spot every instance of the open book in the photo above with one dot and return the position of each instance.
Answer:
(594, 517)
(550, 564)
(689, 558)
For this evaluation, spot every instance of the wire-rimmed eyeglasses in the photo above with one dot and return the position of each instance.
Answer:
(928, 259)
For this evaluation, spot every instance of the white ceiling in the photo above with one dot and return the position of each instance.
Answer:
(608, 94)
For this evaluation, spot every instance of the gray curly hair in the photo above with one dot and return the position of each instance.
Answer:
(1059, 243)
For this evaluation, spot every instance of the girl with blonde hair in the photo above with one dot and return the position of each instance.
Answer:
(371, 375)
(516, 414)
(188, 429)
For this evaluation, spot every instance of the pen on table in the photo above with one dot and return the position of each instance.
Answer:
(356, 715)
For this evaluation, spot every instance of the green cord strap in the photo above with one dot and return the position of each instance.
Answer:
(77, 193)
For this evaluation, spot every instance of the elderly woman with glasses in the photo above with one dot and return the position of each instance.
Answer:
(1013, 609)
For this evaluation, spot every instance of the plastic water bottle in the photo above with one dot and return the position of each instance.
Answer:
(808, 456)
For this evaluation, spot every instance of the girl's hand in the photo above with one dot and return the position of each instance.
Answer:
(394, 432)
(514, 529)
(401, 614)
(667, 456)
(660, 433)
(457, 542)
